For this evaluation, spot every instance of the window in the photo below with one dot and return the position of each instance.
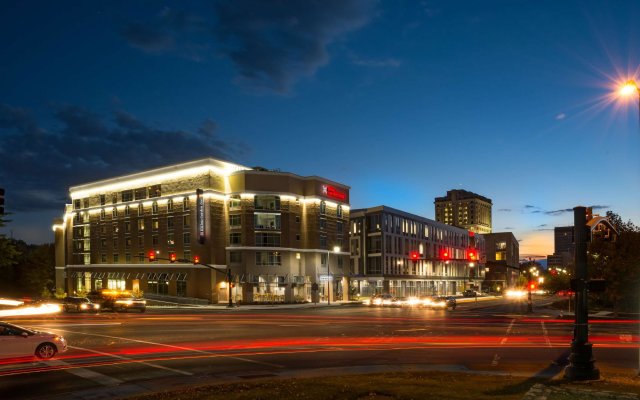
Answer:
(127, 242)
(154, 224)
(186, 254)
(140, 241)
(268, 239)
(154, 207)
(154, 240)
(127, 226)
(116, 258)
(185, 203)
(339, 228)
(140, 257)
(268, 258)
(186, 238)
(114, 212)
(323, 241)
(76, 204)
(185, 221)
(266, 221)
(127, 258)
(115, 228)
(140, 209)
(267, 202)
(181, 288)
(154, 191)
(234, 201)
(339, 211)
(235, 257)
(103, 258)
(127, 211)
(140, 193)
(141, 224)
(103, 243)
(102, 214)
(127, 195)
(170, 205)
(115, 244)
(234, 220)
(85, 203)
(323, 223)
(323, 207)
(297, 219)
(170, 240)
(297, 236)
(114, 198)
(235, 238)
(103, 199)
(340, 262)
(103, 229)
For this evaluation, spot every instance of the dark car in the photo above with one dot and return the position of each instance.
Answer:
(129, 303)
(79, 304)
(469, 293)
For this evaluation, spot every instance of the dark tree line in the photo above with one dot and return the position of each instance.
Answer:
(25, 270)
(618, 262)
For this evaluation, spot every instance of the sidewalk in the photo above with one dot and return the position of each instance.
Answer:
(157, 304)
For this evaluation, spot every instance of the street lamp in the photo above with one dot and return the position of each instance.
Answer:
(529, 299)
(629, 89)
(336, 249)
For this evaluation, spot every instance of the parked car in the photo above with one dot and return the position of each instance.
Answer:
(79, 304)
(17, 342)
(469, 293)
(129, 303)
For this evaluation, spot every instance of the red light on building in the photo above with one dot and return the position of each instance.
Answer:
(152, 256)
(172, 257)
(444, 255)
(414, 255)
(333, 192)
(472, 255)
(532, 285)
(196, 259)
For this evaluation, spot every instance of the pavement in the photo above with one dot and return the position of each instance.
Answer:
(543, 392)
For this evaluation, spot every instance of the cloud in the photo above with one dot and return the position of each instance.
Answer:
(271, 44)
(38, 165)
(504, 209)
(382, 63)
(560, 116)
(274, 44)
(508, 228)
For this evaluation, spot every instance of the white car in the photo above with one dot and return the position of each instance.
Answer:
(17, 342)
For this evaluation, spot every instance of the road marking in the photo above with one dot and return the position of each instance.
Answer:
(173, 347)
(496, 357)
(92, 324)
(132, 359)
(87, 374)
(546, 334)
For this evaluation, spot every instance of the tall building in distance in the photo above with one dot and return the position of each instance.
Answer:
(503, 261)
(465, 210)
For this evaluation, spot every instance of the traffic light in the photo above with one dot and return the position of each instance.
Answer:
(172, 257)
(196, 259)
(415, 256)
(532, 285)
(444, 255)
(152, 256)
(472, 255)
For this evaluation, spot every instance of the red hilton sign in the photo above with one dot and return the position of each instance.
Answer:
(333, 193)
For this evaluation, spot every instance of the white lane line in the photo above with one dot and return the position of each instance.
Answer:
(496, 357)
(173, 347)
(87, 374)
(546, 334)
(132, 359)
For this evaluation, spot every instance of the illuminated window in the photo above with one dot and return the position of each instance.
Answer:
(323, 207)
(116, 257)
(141, 224)
(339, 211)
(114, 212)
(170, 240)
(170, 205)
(185, 203)
(102, 214)
(103, 199)
(140, 209)
(154, 207)
(185, 221)
(234, 220)
(154, 224)
(234, 201)
(127, 211)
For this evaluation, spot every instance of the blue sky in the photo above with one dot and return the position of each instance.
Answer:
(401, 100)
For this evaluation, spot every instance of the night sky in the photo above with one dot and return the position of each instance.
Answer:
(401, 100)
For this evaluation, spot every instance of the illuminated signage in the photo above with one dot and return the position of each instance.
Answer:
(333, 192)
(200, 214)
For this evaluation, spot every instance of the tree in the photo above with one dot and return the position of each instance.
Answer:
(8, 252)
(618, 262)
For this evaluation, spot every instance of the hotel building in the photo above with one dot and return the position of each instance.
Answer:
(383, 241)
(465, 210)
(277, 232)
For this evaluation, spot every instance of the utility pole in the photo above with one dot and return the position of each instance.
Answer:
(581, 362)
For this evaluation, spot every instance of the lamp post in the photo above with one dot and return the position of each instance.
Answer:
(336, 249)
(529, 299)
(628, 89)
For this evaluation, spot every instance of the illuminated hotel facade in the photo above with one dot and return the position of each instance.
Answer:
(277, 232)
(448, 259)
(465, 209)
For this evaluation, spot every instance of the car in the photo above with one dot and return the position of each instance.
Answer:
(441, 302)
(469, 293)
(382, 300)
(79, 304)
(20, 342)
(129, 303)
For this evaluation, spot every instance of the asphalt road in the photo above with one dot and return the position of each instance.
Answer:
(120, 354)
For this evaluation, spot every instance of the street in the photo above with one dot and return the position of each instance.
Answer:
(132, 353)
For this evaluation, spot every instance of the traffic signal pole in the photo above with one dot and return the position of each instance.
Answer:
(581, 362)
